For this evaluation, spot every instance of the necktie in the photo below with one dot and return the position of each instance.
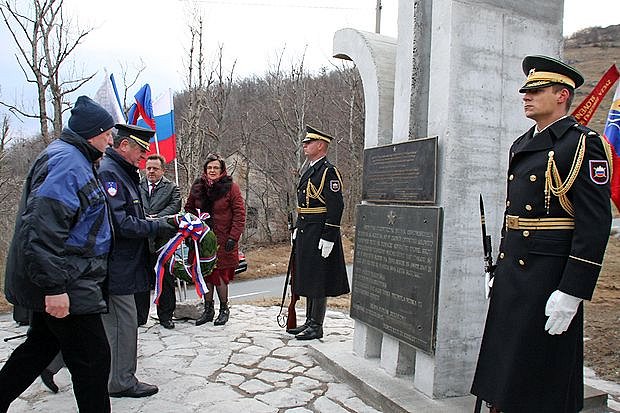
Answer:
(151, 188)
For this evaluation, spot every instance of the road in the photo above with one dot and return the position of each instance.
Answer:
(257, 289)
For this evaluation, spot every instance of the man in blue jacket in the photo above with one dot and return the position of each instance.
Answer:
(58, 261)
(129, 257)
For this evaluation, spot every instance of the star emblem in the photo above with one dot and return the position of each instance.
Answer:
(391, 218)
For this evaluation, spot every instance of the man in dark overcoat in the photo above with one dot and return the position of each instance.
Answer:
(129, 258)
(161, 197)
(557, 223)
(320, 266)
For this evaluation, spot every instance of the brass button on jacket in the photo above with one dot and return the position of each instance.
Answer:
(533, 178)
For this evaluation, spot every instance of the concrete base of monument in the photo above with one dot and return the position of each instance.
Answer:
(396, 394)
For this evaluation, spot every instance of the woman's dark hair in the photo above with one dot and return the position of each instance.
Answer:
(214, 157)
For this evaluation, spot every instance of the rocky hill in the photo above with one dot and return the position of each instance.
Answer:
(592, 51)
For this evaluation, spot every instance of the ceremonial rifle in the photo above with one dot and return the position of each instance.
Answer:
(488, 251)
(6, 339)
(291, 315)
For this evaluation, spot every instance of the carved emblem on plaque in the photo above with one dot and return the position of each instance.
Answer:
(391, 218)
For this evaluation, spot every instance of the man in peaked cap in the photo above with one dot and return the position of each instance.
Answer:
(557, 224)
(57, 265)
(129, 258)
(320, 267)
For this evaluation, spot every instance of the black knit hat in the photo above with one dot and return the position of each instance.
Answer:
(88, 119)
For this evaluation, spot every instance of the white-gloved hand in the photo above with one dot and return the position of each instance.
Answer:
(293, 235)
(325, 247)
(560, 308)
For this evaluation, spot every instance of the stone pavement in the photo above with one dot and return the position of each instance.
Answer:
(250, 365)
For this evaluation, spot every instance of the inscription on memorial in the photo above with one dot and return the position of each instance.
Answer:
(395, 272)
(401, 173)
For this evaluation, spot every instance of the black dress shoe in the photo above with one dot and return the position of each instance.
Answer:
(139, 390)
(299, 329)
(48, 379)
(314, 331)
(167, 324)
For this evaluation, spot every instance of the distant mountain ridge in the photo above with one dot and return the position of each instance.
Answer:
(592, 51)
(595, 36)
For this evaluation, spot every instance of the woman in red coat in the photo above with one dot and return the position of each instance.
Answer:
(216, 193)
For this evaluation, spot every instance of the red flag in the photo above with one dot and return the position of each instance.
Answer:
(612, 134)
(583, 113)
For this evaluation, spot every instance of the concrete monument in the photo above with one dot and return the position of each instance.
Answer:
(453, 72)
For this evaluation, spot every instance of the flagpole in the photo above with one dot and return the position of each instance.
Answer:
(176, 165)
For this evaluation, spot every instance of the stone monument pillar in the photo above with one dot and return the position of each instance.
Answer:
(456, 75)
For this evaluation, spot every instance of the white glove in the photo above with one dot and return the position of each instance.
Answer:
(293, 235)
(560, 308)
(325, 247)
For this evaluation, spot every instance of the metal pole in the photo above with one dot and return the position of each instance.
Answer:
(378, 18)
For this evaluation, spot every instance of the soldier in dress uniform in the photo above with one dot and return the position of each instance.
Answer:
(320, 267)
(557, 223)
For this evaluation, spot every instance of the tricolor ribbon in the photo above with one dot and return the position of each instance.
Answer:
(192, 227)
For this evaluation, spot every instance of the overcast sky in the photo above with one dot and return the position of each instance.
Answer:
(252, 32)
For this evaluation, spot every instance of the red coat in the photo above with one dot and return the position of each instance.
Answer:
(228, 215)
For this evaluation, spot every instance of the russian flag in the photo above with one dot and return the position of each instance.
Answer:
(612, 134)
(165, 141)
(159, 116)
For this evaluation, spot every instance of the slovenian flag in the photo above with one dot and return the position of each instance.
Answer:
(159, 116)
(612, 134)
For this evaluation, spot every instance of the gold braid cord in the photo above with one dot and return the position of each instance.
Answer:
(314, 192)
(553, 181)
(609, 155)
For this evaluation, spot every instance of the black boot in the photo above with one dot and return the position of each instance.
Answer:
(222, 317)
(207, 314)
(315, 329)
(302, 327)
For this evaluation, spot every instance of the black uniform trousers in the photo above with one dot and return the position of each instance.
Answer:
(84, 347)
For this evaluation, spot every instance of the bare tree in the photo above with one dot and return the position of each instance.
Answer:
(45, 40)
(129, 80)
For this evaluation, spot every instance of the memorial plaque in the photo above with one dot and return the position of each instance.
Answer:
(395, 271)
(401, 173)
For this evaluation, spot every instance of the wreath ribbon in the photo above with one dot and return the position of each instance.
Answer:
(190, 227)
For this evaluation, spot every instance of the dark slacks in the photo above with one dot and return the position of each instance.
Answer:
(167, 299)
(85, 350)
(143, 306)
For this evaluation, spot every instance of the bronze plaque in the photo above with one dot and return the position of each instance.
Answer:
(395, 271)
(401, 173)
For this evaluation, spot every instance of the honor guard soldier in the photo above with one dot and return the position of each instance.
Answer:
(320, 267)
(556, 228)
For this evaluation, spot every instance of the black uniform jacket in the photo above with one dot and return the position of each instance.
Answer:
(320, 205)
(128, 266)
(522, 368)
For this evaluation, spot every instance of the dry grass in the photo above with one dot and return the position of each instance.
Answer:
(267, 261)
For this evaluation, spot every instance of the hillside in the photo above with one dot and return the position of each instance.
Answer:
(592, 51)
